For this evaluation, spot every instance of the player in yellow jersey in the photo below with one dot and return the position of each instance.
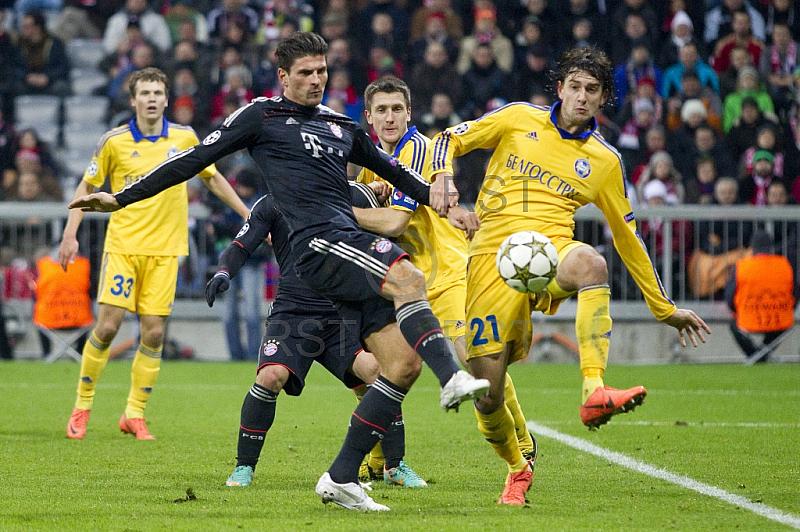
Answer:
(142, 246)
(547, 162)
(436, 247)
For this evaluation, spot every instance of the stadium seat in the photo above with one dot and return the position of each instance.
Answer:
(75, 161)
(82, 137)
(37, 109)
(85, 109)
(85, 80)
(85, 53)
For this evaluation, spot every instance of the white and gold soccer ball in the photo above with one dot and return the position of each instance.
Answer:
(527, 261)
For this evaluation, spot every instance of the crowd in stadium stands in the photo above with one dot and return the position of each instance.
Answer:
(706, 100)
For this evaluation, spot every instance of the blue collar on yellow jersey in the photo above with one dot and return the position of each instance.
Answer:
(137, 133)
(566, 134)
(410, 133)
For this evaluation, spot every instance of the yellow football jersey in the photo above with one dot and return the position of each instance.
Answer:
(437, 248)
(538, 176)
(157, 225)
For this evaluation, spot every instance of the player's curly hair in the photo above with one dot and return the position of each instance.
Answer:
(591, 60)
(147, 74)
(297, 45)
(389, 85)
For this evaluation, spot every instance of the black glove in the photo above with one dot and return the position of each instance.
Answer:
(218, 284)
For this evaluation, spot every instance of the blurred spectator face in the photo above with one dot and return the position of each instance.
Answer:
(339, 80)
(184, 82)
(646, 90)
(749, 113)
(185, 51)
(382, 24)
(662, 170)
(655, 140)
(635, 27)
(781, 5)
(184, 115)
(28, 139)
(748, 82)
(540, 99)
(230, 57)
(28, 186)
(578, 6)
(690, 86)
(704, 139)
(739, 58)
(136, 7)
(484, 21)
(337, 104)
(733, 5)
(766, 139)
(634, 4)
(781, 36)
(30, 31)
(435, 55)
(142, 56)
(532, 33)
(235, 33)
(338, 53)
(741, 24)
(706, 172)
(441, 106)
(187, 31)
(435, 27)
(581, 30)
(537, 63)
(483, 57)
(688, 55)
(725, 191)
(644, 118)
(232, 5)
(640, 55)
(777, 194)
(762, 168)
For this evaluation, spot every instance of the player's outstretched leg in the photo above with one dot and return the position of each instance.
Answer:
(593, 330)
(256, 418)
(348, 495)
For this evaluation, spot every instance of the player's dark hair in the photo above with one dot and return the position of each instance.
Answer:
(299, 44)
(147, 74)
(389, 85)
(591, 60)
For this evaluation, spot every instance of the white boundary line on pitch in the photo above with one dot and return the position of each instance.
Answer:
(685, 482)
(694, 424)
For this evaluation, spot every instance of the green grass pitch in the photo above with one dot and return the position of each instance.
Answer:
(734, 428)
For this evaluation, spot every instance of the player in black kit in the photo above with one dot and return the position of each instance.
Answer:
(301, 329)
(302, 149)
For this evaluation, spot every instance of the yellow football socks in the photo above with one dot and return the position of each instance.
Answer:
(144, 372)
(593, 329)
(93, 361)
(498, 429)
(520, 428)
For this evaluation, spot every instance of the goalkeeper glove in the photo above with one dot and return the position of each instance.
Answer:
(218, 284)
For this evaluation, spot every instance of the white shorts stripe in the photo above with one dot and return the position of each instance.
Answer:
(325, 247)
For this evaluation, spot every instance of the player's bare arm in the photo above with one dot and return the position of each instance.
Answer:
(443, 193)
(68, 249)
(383, 220)
(689, 324)
(224, 191)
(467, 221)
(97, 202)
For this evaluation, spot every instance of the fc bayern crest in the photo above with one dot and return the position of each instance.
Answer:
(583, 168)
(335, 129)
(382, 246)
(270, 349)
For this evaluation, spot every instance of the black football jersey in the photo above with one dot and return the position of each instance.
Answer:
(302, 153)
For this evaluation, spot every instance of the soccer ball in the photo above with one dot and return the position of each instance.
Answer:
(527, 261)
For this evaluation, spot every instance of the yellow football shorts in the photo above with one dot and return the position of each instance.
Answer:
(448, 305)
(499, 317)
(139, 283)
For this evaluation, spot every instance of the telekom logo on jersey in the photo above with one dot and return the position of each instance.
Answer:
(536, 173)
